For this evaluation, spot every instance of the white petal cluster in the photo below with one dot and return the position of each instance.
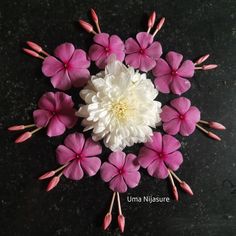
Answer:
(120, 106)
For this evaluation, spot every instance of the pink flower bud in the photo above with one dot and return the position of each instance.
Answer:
(53, 183)
(209, 67)
(107, 220)
(34, 46)
(186, 188)
(216, 125)
(16, 127)
(47, 175)
(30, 52)
(94, 15)
(175, 193)
(151, 20)
(86, 26)
(161, 23)
(214, 136)
(23, 137)
(202, 59)
(121, 223)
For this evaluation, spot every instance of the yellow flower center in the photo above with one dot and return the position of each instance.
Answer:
(119, 109)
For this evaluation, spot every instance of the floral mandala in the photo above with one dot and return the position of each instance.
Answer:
(121, 108)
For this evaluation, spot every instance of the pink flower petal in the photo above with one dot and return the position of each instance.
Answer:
(158, 169)
(102, 61)
(154, 50)
(55, 127)
(51, 66)
(163, 83)
(74, 171)
(146, 63)
(79, 60)
(61, 80)
(170, 144)
(181, 104)
(172, 127)
(64, 52)
(91, 165)
(174, 160)
(117, 184)
(75, 142)
(132, 178)
(193, 114)
(131, 163)
(117, 159)
(79, 77)
(144, 39)
(42, 117)
(96, 51)
(174, 59)
(168, 113)
(102, 39)
(108, 171)
(186, 70)
(63, 101)
(133, 60)
(161, 68)
(179, 85)
(64, 154)
(146, 157)
(116, 44)
(47, 102)
(155, 143)
(131, 46)
(91, 148)
(68, 117)
(187, 127)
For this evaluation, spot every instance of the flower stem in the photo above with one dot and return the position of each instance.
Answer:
(175, 176)
(119, 205)
(203, 122)
(202, 129)
(36, 130)
(112, 202)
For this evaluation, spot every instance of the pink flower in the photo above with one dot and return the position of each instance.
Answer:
(105, 46)
(181, 117)
(159, 154)
(67, 68)
(170, 74)
(81, 156)
(55, 112)
(143, 53)
(120, 171)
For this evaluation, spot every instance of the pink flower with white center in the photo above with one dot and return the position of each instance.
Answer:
(55, 112)
(67, 68)
(79, 156)
(171, 74)
(106, 45)
(120, 171)
(180, 117)
(160, 154)
(142, 53)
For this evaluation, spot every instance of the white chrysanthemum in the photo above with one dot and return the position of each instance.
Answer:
(120, 106)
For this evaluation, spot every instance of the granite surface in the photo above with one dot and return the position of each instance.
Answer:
(76, 208)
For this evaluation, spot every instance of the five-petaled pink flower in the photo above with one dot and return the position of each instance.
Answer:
(80, 155)
(181, 117)
(67, 68)
(159, 154)
(170, 74)
(106, 45)
(55, 112)
(120, 171)
(143, 53)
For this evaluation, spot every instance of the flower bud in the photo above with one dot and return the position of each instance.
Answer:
(121, 223)
(209, 67)
(94, 15)
(175, 193)
(186, 188)
(47, 175)
(216, 125)
(86, 26)
(16, 127)
(34, 46)
(214, 136)
(53, 183)
(23, 137)
(107, 220)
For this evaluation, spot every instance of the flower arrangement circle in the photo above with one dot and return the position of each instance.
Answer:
(121, 108)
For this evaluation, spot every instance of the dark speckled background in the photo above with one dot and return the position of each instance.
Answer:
(76, 208)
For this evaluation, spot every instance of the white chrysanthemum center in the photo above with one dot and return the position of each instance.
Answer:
(120, 106)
